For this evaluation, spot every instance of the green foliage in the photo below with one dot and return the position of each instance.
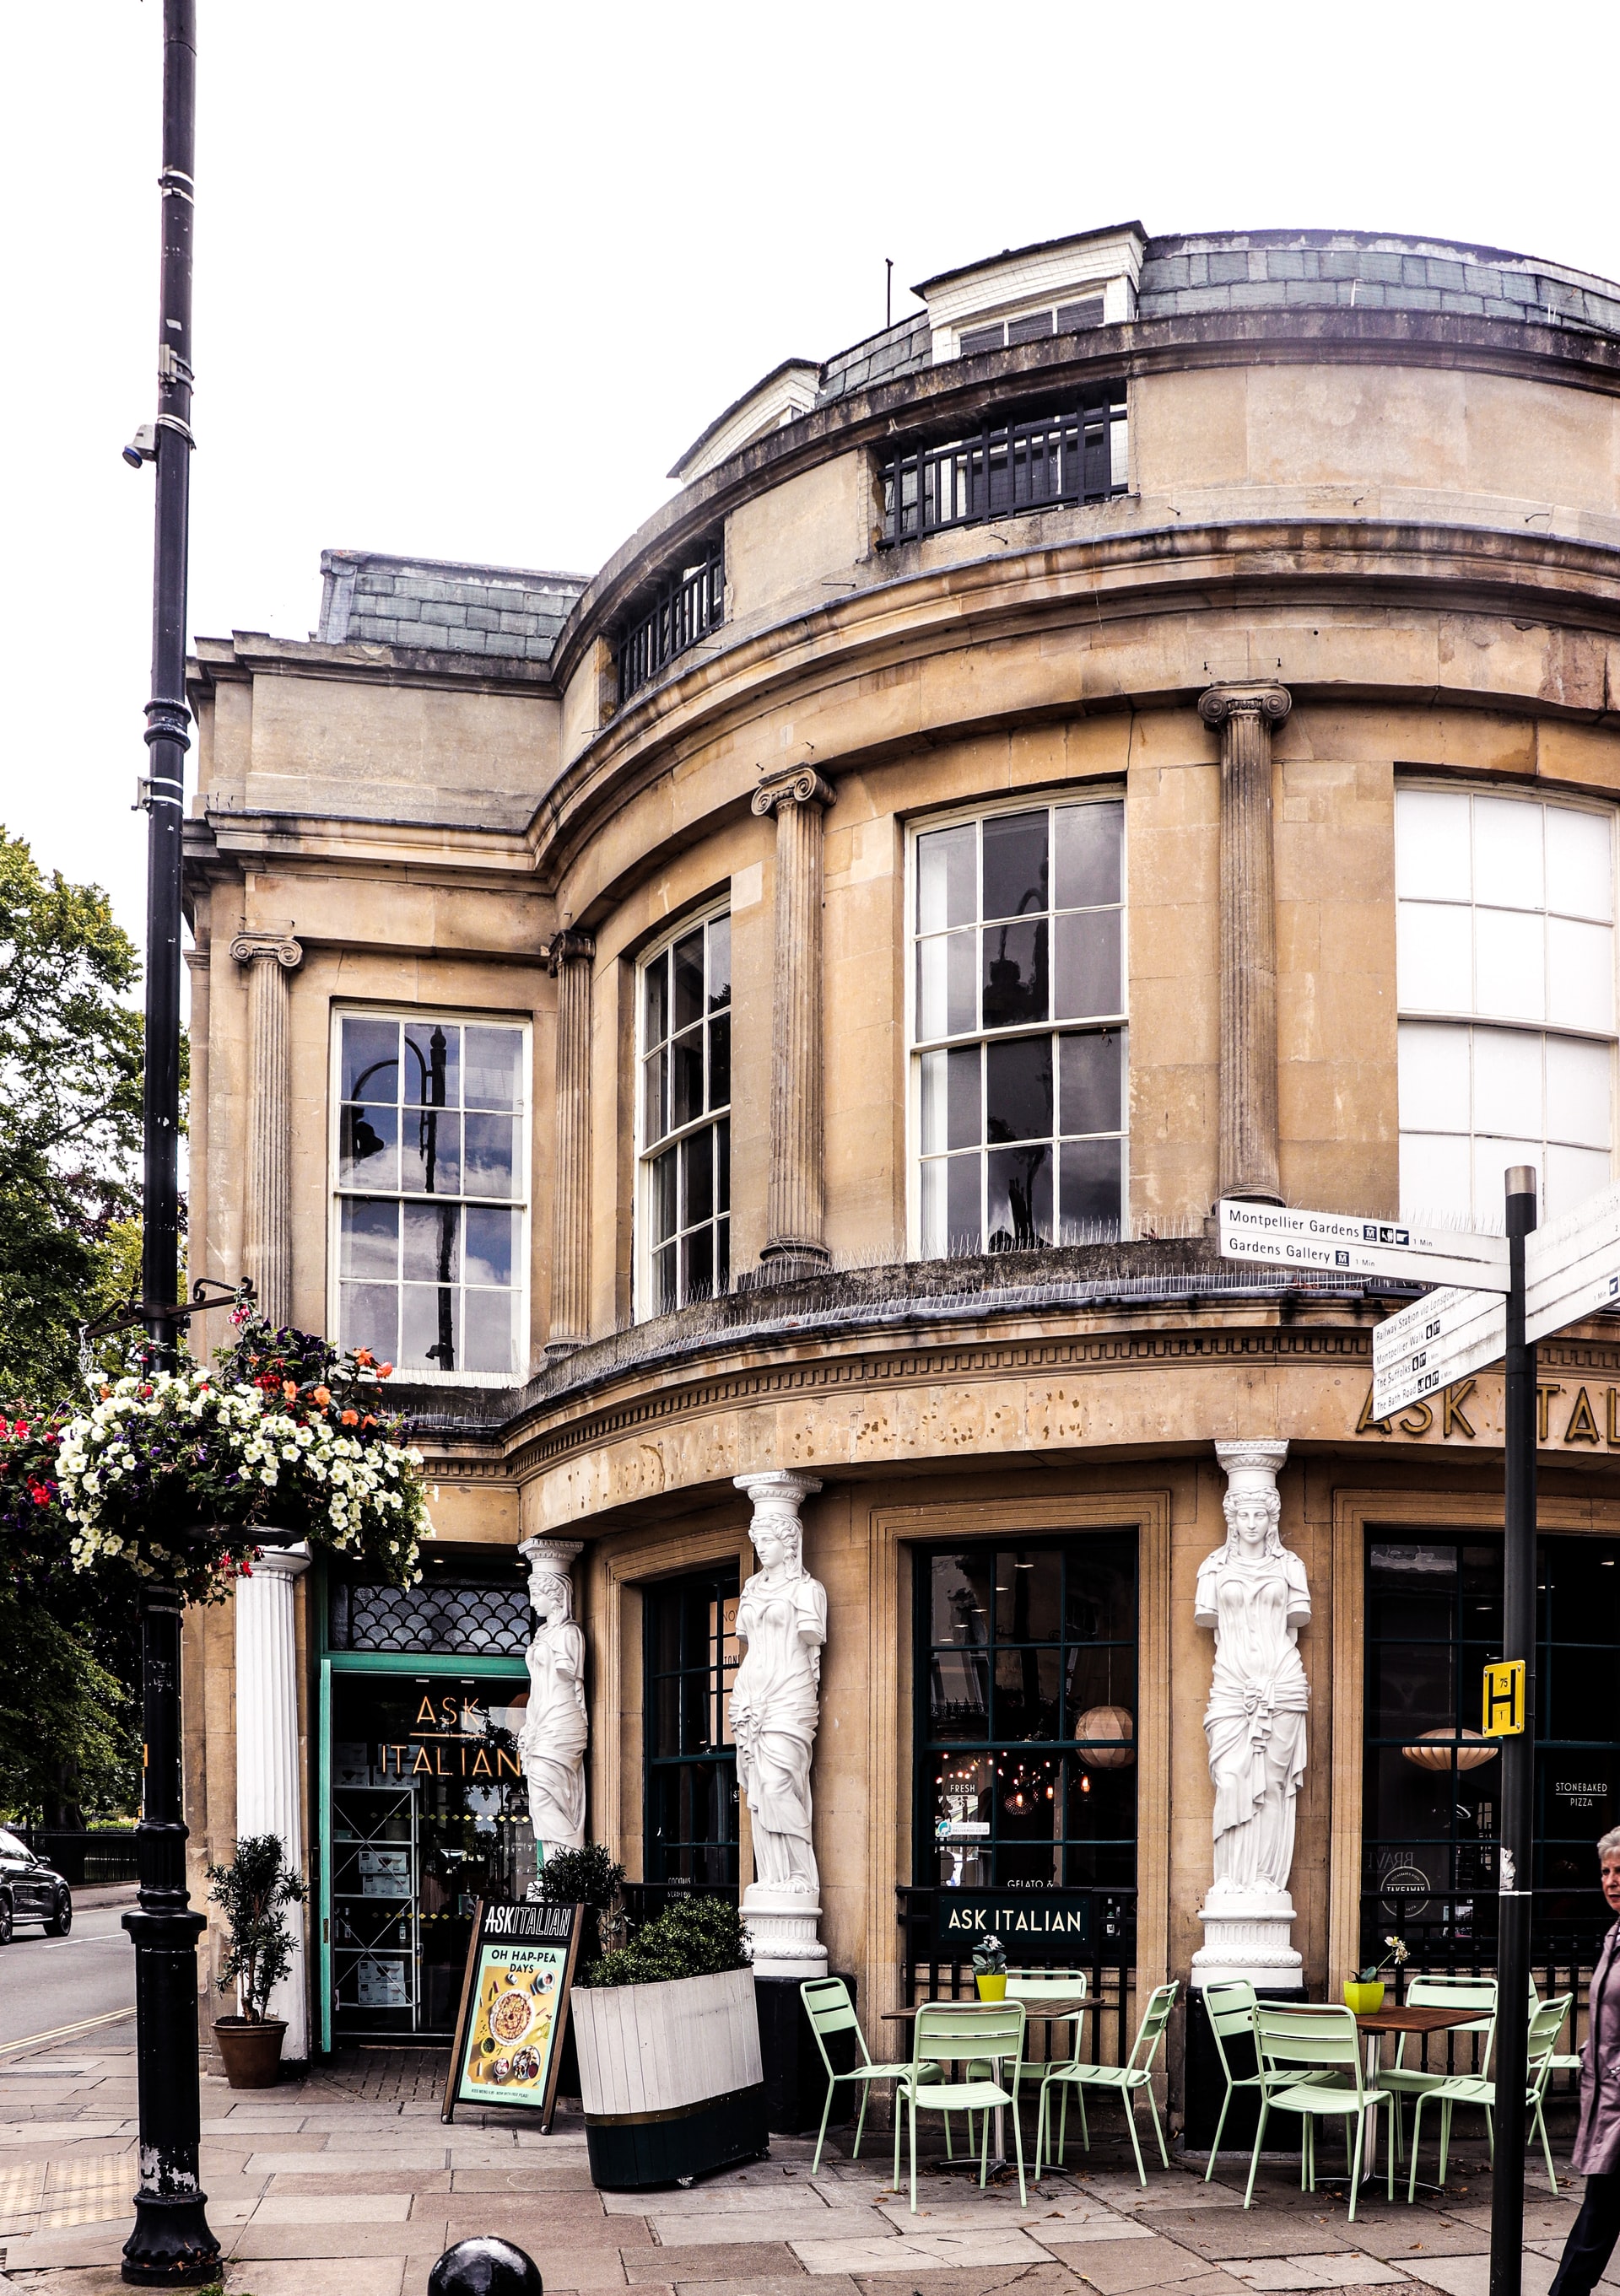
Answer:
(69, 1116)
(582, 1877)
(253, 1892)
(69, 1744)
(692, 1937)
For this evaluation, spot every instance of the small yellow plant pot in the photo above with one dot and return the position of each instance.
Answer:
(1363, 1998)
(994, 1988)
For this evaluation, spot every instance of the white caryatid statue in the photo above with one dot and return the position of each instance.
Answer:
(1253, 1594)
(776, 1706)
(555, 1730)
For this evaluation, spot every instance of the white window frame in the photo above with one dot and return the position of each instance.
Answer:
(461, 1016)
(1031, 802)
(1440, 1016)
(643, 1302)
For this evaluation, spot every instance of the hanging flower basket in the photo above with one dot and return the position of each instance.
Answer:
(180, 1474)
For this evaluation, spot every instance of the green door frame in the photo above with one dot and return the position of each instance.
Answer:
(382, 1662)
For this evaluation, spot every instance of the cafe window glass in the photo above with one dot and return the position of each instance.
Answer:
(1017, 1011)
(1432, 1783)
(430, 1164)
(1505, 979)
(1026, 1707)
(683, 1122)
(691, 1758)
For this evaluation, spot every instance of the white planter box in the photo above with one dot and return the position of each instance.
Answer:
(671, 2077)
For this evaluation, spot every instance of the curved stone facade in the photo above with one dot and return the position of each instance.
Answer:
(1375, 479)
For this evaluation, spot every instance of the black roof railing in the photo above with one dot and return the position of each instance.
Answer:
(1009, 466)
(687, 602)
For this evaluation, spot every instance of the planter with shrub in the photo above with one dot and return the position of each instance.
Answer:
(253, 1892)
(669, 2046)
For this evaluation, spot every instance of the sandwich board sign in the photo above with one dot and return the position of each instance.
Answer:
(1344, 1243)
(514, 2007)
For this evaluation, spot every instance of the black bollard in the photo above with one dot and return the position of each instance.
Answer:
(484, 2266)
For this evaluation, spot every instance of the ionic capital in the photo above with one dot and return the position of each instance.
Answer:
(1218, 703)
(798, 785)
(246, 947)
(568, 947)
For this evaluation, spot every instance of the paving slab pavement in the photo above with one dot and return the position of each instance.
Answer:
(347, 2184)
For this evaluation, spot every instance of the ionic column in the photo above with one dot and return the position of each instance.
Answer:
(569, 959)
(1245, 716)
(267, 1226)
(796, 1200)
(268, 1770)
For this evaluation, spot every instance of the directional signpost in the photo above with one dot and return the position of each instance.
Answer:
(1498, 1296)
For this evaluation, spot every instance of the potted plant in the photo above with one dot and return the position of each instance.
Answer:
(671, 2075)
(253, 1892)
(990, 1969)
(1364, 1992)
(588, 1877)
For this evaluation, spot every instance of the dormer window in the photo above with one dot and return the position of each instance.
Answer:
(1031, 327)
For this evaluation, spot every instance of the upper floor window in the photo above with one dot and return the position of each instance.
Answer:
(1008, 465)
(1019, 1028)
(683, 1122)
(430, 1196)
(688, 600)
(1505, 980)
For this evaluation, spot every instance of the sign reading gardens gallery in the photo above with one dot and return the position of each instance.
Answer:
(1034, 1925)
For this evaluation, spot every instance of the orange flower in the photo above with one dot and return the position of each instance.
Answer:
(363, 1355)
(323, 1396)
(350, 1419)
(385, 1370)
(289, 1389)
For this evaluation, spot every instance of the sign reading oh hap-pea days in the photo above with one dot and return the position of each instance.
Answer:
(515, 2008)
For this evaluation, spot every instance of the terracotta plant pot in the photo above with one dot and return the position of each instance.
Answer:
(991, 1987)
(1363, 1997)
(251, 2051)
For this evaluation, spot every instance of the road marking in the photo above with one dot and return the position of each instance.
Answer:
(63, 2032)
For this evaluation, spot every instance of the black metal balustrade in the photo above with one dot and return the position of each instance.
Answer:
(1007, 467)
(687, 604)
(1459, 1940)
(1109, 1961)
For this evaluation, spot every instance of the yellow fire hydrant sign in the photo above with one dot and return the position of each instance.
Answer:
(1504, 1700)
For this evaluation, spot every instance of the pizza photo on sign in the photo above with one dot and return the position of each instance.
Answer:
(508, 2043)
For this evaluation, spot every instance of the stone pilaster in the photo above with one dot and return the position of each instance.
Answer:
(1246, 717)
(268, 1760)
(795, 1217)
(570, 959)
(268, 1223)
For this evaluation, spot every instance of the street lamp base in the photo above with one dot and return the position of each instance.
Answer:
(172, 2246)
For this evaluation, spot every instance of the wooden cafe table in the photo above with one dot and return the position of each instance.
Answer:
(1395, 2017)
(1061, 2009)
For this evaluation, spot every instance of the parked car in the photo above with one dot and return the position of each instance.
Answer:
(30, 1891)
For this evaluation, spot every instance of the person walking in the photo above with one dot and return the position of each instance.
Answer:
(1597, 2153)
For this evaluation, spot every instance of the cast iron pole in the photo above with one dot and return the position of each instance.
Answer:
(1515, 1871)
(172, 2246)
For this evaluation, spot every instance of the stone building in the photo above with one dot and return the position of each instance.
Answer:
(1141, 728)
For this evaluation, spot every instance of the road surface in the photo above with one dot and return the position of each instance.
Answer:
(47, 1984)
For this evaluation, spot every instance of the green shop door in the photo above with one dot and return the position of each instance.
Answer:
(425, 1811)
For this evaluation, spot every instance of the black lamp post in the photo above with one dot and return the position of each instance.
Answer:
(172, 2246)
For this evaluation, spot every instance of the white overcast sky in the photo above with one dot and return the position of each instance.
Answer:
(470, 277)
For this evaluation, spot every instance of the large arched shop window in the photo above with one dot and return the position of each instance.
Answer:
(691, 1660)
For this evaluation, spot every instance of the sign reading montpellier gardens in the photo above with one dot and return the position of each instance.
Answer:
(515, 2008)
(1342, 1243)
(1034, 1925)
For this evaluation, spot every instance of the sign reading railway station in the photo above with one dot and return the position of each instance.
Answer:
(1439, 1339)
(1343, 1243)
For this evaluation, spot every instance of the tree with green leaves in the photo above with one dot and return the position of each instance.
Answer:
(70, 1046)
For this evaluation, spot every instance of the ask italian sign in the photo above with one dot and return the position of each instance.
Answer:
(1034, 1925)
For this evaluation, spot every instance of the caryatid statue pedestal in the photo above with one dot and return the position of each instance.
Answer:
(775, 1712)
(1253, 1594)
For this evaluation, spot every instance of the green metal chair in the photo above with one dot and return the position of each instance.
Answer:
(1471, 2088)
(827, 2005)
(970, 2036)
(1231, 2010)
(1447, 1992)
(1136, 2073)
(1311, 2064)
(1561, 2061)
